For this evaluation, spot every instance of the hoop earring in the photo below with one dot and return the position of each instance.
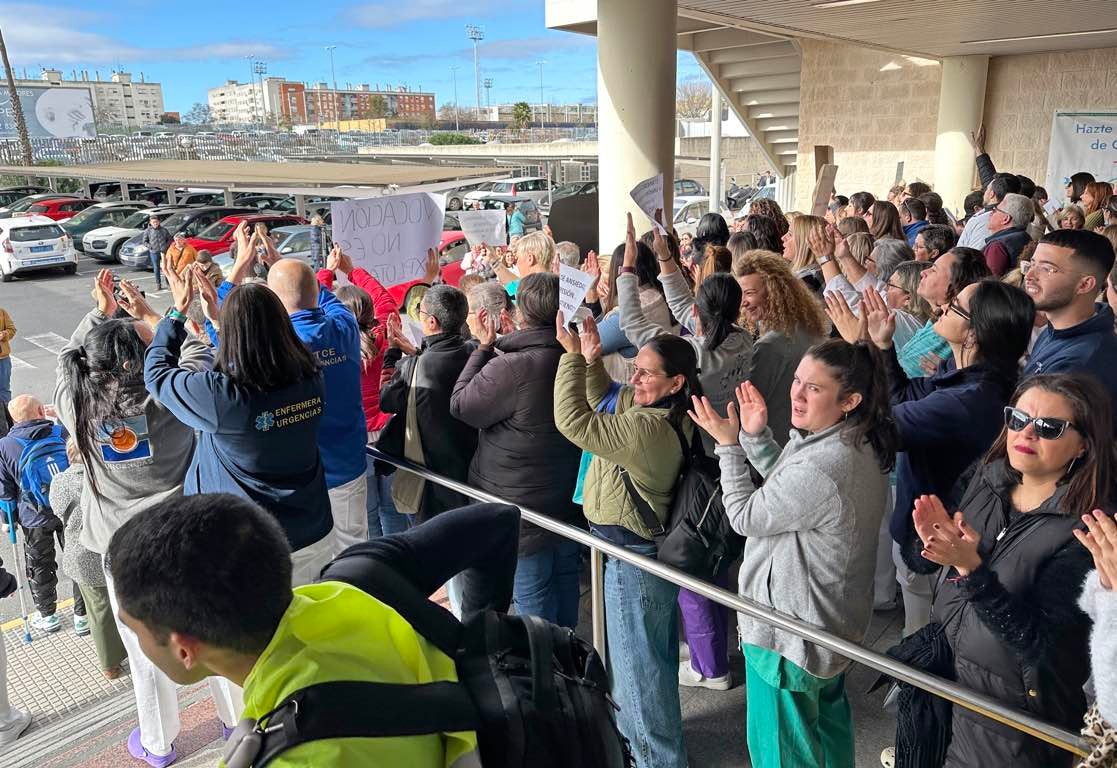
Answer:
(1070, 467)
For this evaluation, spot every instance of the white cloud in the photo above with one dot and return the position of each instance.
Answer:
(39, 36)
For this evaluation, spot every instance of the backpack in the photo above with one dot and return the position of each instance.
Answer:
(535, 693)
(39, 461)
(697, 538)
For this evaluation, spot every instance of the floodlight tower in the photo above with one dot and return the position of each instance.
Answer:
(476, 34)
(488, 92)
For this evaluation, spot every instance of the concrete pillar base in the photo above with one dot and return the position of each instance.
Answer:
(961, 107)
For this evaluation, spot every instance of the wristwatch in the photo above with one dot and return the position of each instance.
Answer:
(824, 260)
(628, 270)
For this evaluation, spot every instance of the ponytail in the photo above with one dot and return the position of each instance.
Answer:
(718, 305)
(860, 368)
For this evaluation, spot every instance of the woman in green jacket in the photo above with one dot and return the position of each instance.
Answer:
(637, 436)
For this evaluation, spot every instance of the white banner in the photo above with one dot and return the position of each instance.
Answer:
(573, 285)
(389, 236)
(1081, 141)
(484, 227)
(648, 194)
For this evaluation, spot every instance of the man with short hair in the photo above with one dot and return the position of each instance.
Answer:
(205, 583)
(913, 217)
(180, 254)
(977, 228)
(157, 239)
(425, 382)
(569, 253)
(329, 330)
(1068, 269)
(490, 296)
(860, 203)
(1008, 228)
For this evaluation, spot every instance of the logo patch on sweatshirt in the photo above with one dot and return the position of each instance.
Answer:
(265, 421)
(124, 439)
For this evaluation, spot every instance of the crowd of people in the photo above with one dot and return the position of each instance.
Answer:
(906, 409)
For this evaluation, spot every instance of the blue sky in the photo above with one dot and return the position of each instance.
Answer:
(190, 47)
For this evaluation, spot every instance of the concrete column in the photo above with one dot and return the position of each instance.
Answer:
(785, 191)
(715, 148)
(961, 106)
(636, 46)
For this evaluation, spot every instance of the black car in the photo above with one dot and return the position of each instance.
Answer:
(9, 195)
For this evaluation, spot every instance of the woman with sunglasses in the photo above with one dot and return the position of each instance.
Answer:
(1007, 595)
(946, 421)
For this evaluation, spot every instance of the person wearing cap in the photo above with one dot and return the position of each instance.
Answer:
(157, 239)
(180, 254)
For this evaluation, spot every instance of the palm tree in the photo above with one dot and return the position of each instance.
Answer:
(521, 115)
(17, 106)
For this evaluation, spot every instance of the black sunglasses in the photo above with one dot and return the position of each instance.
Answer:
(956, 308)
(1046, 427)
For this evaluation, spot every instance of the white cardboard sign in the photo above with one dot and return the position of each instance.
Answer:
(573, 285)
(389, 236)
(648, 195)
(488, 227)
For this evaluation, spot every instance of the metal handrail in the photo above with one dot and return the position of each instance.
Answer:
(946, 689)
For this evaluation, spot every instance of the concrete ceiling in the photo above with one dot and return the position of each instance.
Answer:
(931, 29)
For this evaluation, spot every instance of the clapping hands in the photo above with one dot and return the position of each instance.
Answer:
(1101, 539)
(881, 321)
(950, 542)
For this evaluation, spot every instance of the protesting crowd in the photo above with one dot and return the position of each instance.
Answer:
(895, 408)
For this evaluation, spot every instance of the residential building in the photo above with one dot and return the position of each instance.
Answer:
(278, 99)
(118, 103)
(550, 113)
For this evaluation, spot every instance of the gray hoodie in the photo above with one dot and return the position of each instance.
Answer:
(812, 532)
(140, 458)
(720, 370)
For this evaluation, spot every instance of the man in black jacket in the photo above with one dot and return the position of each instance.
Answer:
(426, 381)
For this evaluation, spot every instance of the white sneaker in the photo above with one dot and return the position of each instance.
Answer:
(46, 623)
(888, 757)
(684, 651)
(15, 728)
(692, 678)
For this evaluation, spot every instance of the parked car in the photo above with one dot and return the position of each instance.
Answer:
(104, 244)
(31, 243)
(456, 198)
(568, 190)
(217, 238)
(533, 187)
(283, 203)
(22, 204)
(533, 219)
(690, 210)
(97, 216)
(59, 209)
(9, 195)
(190, 222)
(200, 198)
(688, 187)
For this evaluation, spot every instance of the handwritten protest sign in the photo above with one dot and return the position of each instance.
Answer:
(648, 194)
(573, 284)
(389, 236)
(488, 227)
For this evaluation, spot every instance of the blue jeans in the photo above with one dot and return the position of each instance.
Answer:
(156, 258)
(383, 518)
(547, 584)
(5, 380)
(641, 622)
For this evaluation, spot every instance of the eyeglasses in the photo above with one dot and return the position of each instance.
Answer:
(644, 373)
(957, 309)
(1046, 427)
(1047, 268)
(898, 288)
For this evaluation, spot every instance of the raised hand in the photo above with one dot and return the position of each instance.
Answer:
(182, 287)
(570, 342)
(333, 258)
(754, 411)
(881, 319)
(977, 140)
(823, 242)
(953, 544)
(240, 235)
(723, 431)
(486, 333)
(207, 293)
(134, 303)
(432, 267)
(589, 339)
(852, 327)
(396, 336)
(102, 293)
(929, 515)
(630, 243)
(1101, 539)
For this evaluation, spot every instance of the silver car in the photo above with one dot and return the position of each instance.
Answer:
(292, 242)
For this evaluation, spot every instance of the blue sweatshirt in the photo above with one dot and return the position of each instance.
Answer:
(1089, 347)
(257, 445)
(331, 333)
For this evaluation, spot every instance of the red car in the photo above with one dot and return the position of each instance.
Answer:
(217, 238)
(451, 249)
(59, 209)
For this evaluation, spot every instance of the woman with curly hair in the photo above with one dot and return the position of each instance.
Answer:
(768, 232)
(787, 320)
(770, 209)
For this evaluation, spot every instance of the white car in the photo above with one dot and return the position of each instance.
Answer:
(32, 243)
(104, 243)
(690, 209)
(534, 187)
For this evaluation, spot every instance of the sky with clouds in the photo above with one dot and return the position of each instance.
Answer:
(190, 47)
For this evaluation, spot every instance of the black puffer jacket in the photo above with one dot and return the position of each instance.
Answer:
(1014, 624)
(521, 455)
(448, 444)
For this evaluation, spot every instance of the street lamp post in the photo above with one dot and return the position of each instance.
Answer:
(333, 75)
(476, 34)
(457, 112)
(542, 102)
(261, 68)
(251, 84)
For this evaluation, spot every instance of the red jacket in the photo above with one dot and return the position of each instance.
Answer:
(383, 305)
